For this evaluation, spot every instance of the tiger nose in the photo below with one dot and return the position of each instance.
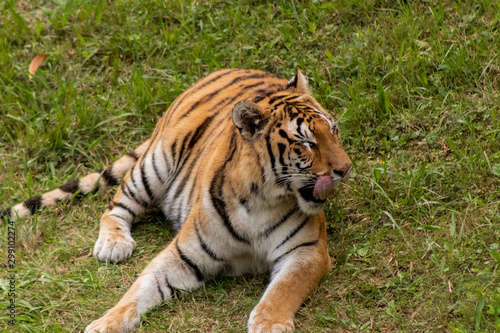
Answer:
(344, 170)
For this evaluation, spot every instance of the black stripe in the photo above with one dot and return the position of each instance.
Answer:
(198, 133)
(296, 247)
(70, 187)
(145, 180)
(124, 191)
(182, 184)
(159, 289)
(205, 247)
(258, 98)
(173, 291)
(271, 156)
(73, 187)
(119, 204)
(118, 216)
(167, 161)
(290, 97)
(282, 220)
(304, 108)
(261, 94)
(136, 196)
(275, 98)
(182, 150)
(232, 145)
(284, 135)
(203, 100)
(5, 212)
(216, 195)
(108, 177)
(293, 232)
(216, 78)
(132, 176)
(199, 274)
(237, 97)
(226, 120)
(220, 207)
(300, 120)
(131, 195)
(281, 149)
(193, 186)
(157, 172)
(244, 203)
(133, 154)
(173, 150)
(33, 204)
(275, 106)
(194, 158)
(265, 93)
(291, 111)
(184, 181)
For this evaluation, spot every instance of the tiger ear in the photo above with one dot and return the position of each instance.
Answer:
(249, 119)
(298, 84)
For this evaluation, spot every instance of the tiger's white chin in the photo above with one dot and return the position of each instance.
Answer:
(309, 207)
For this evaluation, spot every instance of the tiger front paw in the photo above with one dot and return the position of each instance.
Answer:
(113, 323)
(113, 247)
(271, 328)
(262, 321)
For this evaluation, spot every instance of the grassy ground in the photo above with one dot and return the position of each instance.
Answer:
(414, 85)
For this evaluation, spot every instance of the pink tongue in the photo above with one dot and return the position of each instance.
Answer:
(324, 187)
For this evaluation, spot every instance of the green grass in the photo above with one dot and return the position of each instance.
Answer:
(415, 235)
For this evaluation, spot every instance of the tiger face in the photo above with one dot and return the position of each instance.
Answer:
(299, 143)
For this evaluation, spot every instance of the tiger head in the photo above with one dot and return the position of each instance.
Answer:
(297, 142)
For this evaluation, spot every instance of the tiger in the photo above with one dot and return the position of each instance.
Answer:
(241, 164)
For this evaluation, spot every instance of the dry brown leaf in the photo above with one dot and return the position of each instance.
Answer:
(35, 63)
